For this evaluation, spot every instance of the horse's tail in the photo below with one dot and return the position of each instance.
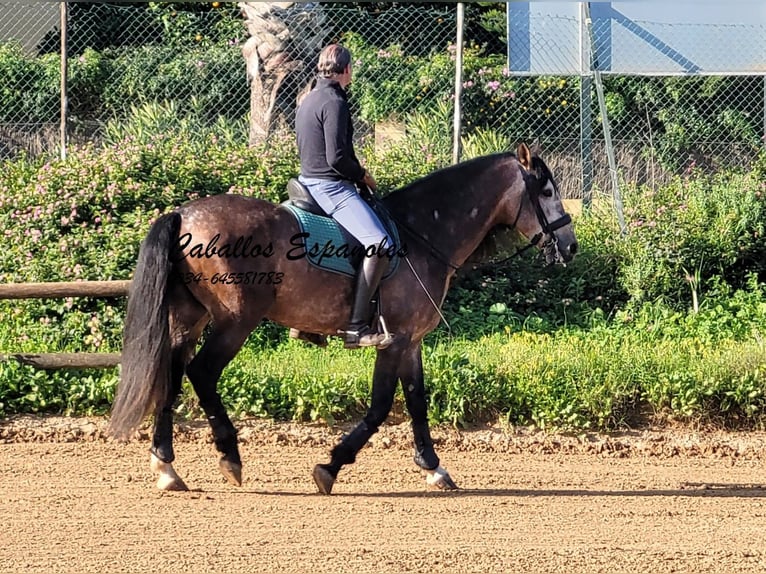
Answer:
(145, 369)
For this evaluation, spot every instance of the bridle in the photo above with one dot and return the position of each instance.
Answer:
(535, 182)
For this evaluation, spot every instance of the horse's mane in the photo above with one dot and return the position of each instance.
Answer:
(456, 178)
(459, 175)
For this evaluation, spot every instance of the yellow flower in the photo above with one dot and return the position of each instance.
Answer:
(216, 4)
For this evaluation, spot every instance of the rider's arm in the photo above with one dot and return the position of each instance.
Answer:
(339, 148)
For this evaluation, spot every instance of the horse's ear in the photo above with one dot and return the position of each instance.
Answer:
(524, 156)
(536, 149)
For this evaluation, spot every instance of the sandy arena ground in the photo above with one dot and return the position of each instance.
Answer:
(72, 501)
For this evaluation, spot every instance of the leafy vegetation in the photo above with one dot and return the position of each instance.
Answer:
(612, 337)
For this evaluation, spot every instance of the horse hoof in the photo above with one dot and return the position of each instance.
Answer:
(171, 484)
(438, 478)
(232, 471)
(323, 479)
(168, 479)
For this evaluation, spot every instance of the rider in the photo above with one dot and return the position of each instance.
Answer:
(330, 170)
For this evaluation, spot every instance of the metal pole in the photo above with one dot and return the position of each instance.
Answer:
(64, 76)
(586, 112)
(458, 119)
(607, 130)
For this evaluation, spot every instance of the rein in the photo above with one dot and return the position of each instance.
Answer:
(374, 200)
(533, 186)
(438, 255)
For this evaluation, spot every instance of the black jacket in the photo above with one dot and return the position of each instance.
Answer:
(325, 134)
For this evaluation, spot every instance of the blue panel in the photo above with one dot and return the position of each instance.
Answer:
(601, 16)
(519, 56)
(658, 37)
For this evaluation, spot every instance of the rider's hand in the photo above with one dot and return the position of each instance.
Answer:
(369, 181)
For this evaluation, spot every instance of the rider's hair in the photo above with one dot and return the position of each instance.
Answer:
(333, 59)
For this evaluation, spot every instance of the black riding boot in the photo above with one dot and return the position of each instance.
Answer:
(359, 333)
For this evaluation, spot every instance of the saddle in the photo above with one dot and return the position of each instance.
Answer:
(298, 196)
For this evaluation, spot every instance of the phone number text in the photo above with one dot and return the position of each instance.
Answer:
(239, 278)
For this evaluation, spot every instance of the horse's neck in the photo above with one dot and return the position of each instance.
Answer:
(453, 219)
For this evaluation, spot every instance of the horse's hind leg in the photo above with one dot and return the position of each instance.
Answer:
(413, 385)
(162, 456)
(187, 318)
(220, 347)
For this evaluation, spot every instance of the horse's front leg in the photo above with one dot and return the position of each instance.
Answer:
(383, 387)
(413, 385)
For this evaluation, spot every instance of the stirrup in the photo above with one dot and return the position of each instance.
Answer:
(364, 336)
(313, 338)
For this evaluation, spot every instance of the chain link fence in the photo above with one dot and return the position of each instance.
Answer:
(150, 66)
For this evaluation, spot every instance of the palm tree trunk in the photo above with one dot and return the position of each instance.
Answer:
(285, 39)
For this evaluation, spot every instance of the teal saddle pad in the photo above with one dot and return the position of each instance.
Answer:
(328, 246)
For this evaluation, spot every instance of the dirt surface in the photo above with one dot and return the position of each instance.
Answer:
(73, 501)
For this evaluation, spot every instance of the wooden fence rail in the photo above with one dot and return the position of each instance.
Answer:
(65, 360)
(60, 290)
(64, 289)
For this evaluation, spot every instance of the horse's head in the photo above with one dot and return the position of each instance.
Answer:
(540, 213)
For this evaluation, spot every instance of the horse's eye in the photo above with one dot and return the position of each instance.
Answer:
(547, 189)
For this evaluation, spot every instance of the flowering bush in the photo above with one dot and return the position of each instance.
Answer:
(84, 219)
(696, 233)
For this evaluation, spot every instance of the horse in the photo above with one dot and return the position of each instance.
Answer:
(225, 263)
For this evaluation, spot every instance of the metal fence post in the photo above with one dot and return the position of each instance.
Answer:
(605, 123)
(586, 112)
(457, 122)
(64, 76)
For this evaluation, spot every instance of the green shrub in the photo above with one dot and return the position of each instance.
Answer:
(30, 87)
(206, 81)
(690, 234)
